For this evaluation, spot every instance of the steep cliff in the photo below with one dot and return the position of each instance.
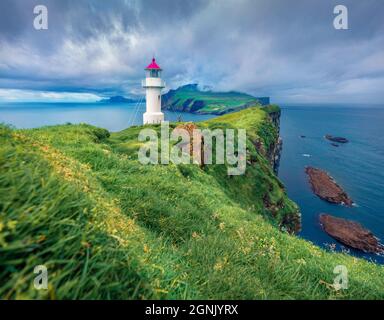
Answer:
(272, 144)
(276, 148)
(260, 181)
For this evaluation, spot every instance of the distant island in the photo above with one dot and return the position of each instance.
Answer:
(118, 99)
(189, 98)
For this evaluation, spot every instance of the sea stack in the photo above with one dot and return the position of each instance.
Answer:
(326, 188)
(350, 233)
(336, 139)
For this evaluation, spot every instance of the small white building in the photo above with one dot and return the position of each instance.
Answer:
(153, 86)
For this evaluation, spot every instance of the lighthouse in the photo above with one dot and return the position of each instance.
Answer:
(153, 85)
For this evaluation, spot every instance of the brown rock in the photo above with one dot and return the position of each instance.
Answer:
(196, 147)
(326, 188)
(350, 233)
(336, 139)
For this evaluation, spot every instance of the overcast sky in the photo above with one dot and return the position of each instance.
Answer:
(288, 50)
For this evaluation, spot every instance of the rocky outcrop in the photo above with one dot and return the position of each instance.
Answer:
(326, 188)
(196, 142)
(336, 139)
(351, 234)
(291, 222)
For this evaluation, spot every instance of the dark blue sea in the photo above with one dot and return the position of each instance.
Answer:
(357, 166)
(114, 117)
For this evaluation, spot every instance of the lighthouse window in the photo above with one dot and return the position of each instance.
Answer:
(158, 97)
(154, 73)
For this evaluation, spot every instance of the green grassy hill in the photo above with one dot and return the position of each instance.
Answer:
(189, 98)
(75, 198)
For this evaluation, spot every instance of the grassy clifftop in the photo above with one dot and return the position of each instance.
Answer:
(75, 198)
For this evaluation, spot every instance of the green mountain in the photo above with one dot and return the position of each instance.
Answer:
(75, 199)
(189, 98)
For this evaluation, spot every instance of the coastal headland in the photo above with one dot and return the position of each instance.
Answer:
(207, 236)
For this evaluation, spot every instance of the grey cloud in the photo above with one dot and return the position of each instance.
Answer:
(286, 49)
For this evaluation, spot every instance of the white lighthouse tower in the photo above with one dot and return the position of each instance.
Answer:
(153, 85)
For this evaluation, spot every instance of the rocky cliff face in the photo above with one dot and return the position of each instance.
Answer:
(291, 221)
(275, 149)
(275, 118)
(270, 144)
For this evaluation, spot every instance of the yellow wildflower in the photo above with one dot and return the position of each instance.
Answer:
(11, 224)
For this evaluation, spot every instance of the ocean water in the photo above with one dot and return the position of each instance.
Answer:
(114, 117)
(358, 166)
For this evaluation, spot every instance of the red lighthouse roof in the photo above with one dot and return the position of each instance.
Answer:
(153, 65)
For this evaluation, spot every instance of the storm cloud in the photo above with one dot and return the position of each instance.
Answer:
(288, 50)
